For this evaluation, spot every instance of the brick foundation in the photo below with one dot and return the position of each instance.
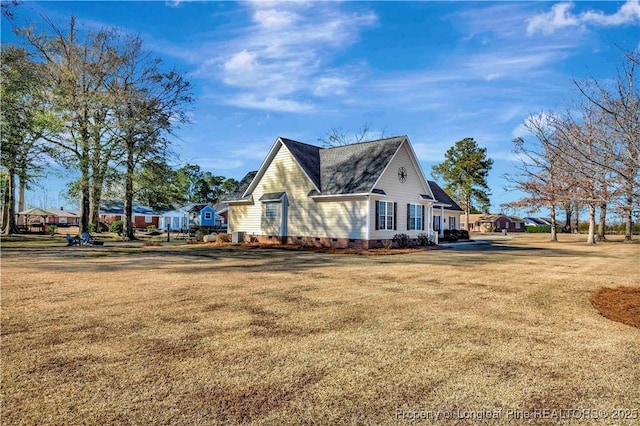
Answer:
(319, 241)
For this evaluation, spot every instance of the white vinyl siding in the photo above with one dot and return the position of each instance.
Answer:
(401, 193)
(326, 218)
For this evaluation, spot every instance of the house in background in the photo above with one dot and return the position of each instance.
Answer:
(142, 216)
(357, 195)
(536, 221)
(194, 215)
(495, 223)
(446, 212)
(62, 217)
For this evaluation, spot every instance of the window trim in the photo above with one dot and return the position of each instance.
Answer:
(415, 217)
(388, 220)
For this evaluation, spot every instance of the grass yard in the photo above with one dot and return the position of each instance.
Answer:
(202, 334)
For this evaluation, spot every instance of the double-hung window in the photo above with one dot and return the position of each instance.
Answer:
(436, 223)
(452, 222)
(270, 211)
(385, 215)
(414, 217)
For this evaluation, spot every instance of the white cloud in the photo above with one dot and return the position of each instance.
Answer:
(274, 19)
(241, 62)
(327, 86)
(561, 17)
(278, 63)
(270, 103)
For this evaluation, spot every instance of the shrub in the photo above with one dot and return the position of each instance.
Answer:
(92, 227)
(449, 235)
(402, 240)
(51, 229)
(200, 233)
(463, 234)
(116, 227)
(224, 238)
(545, 229)
(151, 228)
(423, 239)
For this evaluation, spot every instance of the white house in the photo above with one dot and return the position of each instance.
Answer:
(356, 195)
(191, 215)
(446, 212)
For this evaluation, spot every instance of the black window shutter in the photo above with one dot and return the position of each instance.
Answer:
(408, 215)
(395, 216)
(377, 215)
(422, 218)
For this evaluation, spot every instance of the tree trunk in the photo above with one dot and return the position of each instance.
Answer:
(591, 237)
(127, 225)
(568, 213)
(21, 190)
(628, 212)
(467, 210)
(576, 229)
(554, 235)
(94, 204)
(602, 223)
(9, 212)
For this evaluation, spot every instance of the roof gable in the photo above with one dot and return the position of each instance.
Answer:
(307, 156)
(442, 197)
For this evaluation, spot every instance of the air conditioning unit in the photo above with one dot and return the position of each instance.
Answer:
(237, 237)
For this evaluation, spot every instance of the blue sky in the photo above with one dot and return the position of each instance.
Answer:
(435, 71)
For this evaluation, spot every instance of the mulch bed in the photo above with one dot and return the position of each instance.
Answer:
(621, 304)
(363, 252)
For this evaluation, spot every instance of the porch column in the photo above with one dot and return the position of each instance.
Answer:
(441, 221)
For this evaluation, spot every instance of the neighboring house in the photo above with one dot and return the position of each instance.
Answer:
(495, 223)
(222, 212)
(542, 221)
(536, 221)
(358, 195)
(62, 217)
(142, 217)
(446, 212)
(191, 215)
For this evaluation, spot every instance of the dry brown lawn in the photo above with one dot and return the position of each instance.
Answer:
(200, 334)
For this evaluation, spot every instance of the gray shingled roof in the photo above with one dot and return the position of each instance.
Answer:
(241, 188)
(442, 196)
(355, 168)
(348, 169)
(272, 196)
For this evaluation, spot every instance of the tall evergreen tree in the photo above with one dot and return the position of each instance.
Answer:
(464, 172)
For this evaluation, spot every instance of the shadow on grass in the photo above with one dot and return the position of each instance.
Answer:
(196, 259)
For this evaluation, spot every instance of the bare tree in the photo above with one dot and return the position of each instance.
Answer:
(541, 172)
(338, 137)
(620, 109)
(151, 104)
(77, 68)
